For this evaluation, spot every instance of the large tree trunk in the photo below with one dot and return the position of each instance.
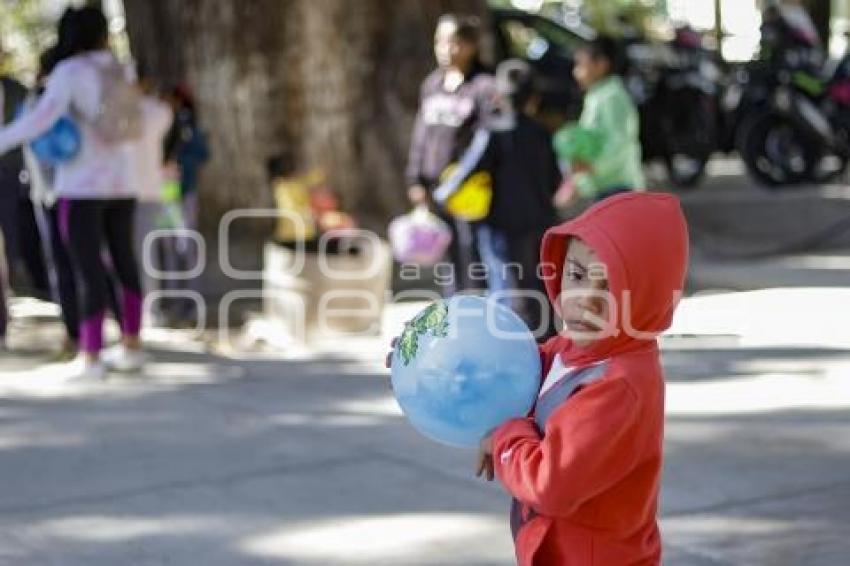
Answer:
(354, 91)
(230, 54)
(334, 81)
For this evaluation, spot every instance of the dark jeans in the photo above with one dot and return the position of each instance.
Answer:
(512, 261)
(65, 290)
(493, 250)
(24, 251)
(535, 309)
(462, 253)
(4, 313)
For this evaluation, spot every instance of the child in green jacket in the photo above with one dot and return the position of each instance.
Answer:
(603, 149)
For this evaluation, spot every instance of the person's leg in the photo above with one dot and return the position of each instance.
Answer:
(113, 285)
(148, 260)
(41, 214)
(65, 283)
(535, 309)
(9, 224)
(188, 251)
(32, 252)
(180, 254)
(450, 285)
(493, 249)
(81, 225)
(464, 255)
(145, 223)
(190, 210)
(171, 246)
(118, 228)
(172, 261)
(4, 313)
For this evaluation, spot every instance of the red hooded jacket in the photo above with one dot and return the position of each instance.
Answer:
(584, 469)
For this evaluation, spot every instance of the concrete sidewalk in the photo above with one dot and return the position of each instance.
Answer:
(254, 458)
(745, 237)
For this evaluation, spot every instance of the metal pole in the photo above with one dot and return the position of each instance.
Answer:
(820, 12)
(718, 27)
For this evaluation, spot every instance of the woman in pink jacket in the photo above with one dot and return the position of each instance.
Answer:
(96, 199)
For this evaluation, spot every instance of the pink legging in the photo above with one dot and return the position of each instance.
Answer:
(89, 226)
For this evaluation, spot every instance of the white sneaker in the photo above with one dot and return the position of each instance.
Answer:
(120, 358)
(90, 373)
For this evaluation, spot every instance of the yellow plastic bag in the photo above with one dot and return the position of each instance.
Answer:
(472, 200)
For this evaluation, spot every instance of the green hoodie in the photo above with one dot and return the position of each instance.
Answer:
(607, 138)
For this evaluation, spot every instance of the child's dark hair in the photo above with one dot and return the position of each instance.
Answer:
(47, 61)
(64, 36)
(184, 97)
(607, 48)
(280, 165)
(467, 28)
(515, 78)
(81, 30)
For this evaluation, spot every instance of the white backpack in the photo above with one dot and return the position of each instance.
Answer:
(119, 116)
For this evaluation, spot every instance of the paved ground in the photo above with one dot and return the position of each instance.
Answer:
(748, 237)
(227, 456)
(252, 459)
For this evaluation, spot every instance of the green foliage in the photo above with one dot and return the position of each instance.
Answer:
(433, 321)
(25, 31)
(612, 16)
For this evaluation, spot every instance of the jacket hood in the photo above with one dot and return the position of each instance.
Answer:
(643, 240)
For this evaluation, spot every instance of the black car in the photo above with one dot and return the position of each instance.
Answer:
(548, 46)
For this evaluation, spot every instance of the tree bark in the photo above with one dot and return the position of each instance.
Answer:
(336, 82)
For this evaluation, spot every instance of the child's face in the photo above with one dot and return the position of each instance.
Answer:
(584, 300)
(450, 50)
(589, 70)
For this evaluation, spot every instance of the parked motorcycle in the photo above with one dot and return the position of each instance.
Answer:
(789, 124)
(786, 116)
(676, 89)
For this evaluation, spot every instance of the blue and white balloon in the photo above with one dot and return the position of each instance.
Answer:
(462, 367)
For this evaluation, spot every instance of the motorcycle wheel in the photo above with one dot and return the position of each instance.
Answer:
(775, 152)
(832, 165)
(689, 128)
(685, 171)
(829, 168)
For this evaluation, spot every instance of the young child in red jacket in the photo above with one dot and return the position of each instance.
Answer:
(584, 468)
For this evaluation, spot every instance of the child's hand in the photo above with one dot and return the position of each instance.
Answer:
(485, 458)
(580, 167)
(566, 194)
(388, 363)
(171, 170)
(417, 194)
